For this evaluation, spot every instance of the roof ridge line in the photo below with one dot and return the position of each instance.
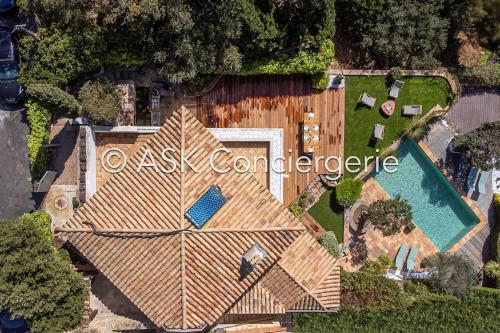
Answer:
(182, 112)
(300, 285)
(176, 231)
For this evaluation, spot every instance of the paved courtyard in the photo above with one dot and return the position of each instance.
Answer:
(373, 244)
(15, 195)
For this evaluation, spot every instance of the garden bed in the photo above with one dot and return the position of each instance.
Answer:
(329, 214)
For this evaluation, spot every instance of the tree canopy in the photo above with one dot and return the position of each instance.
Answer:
(408, 33)
(390, 216)
(100, 102)
(183, 38)
(451, 273)
(482, 145)
(36, 281)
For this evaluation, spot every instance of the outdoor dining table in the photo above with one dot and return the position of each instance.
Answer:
(311, 132)
(388, 107)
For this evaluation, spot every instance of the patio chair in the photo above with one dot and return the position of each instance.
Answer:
(378, 132)
(400, 258)
(410, 262)
(367, 100)
(412, 110)
(396, 86)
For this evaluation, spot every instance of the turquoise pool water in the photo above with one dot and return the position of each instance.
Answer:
(438, 210)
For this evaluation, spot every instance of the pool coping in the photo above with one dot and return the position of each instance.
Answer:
(482, 219)
(483, 222)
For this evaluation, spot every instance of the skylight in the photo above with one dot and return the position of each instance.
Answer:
(206, 207)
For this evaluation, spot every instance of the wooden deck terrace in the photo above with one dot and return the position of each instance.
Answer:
(278, 102)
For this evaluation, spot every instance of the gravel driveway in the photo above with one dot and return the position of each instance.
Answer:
(15, 186)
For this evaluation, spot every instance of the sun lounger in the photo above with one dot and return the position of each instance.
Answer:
(367, 100)
(410, 262)
(396, 86)
(400, 258)
(412, 110)
(378, 132)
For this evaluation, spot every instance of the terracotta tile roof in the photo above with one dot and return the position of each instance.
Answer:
(133, 230)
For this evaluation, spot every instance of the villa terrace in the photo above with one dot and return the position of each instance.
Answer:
(278, 102)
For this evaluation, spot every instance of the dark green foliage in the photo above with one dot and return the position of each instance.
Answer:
(36, 282)
(39, 121)
(100, 102)
(451, 273)
(390, 216)
(481, 145)
(54, 99)
(488, 75)
(408, 33)
(393, 75)
(363, 290)
(477, 313)
(330, 243)
(348, 191)
(42, 221)
(379, 266)
(183, 38)
(56, 58)
(476, 17)
(320, 81)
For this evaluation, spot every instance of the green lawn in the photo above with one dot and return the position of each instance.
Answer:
(360, 121)
(359, 124)
(329, 214)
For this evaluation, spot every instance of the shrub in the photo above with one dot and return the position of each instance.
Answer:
(320, 81)
(481, 145)
(330, 243)
(393, 75)
(42, 220)
(303, 63)
(36, 281)
(55, 58)
(451, 273)
(39, 120)
(390, 216)
(492, 269)
(362, 290)
(439, 313)
(488, 75)
(296, 211)
(348, 191)
(100, 102)
(379, 266)
(54, 99)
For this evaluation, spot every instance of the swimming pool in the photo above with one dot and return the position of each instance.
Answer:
(438, 210)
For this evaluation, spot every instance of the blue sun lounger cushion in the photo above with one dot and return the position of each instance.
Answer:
(206, 207)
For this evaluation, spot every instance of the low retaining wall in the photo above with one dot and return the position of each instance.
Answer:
(452, 79)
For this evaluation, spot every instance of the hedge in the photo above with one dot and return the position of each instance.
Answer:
(441, 313)
(488, 75)
(305, 62)
(39, 120)
(330, 243)
(363, 290)
(348, 191)
(54, 99)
